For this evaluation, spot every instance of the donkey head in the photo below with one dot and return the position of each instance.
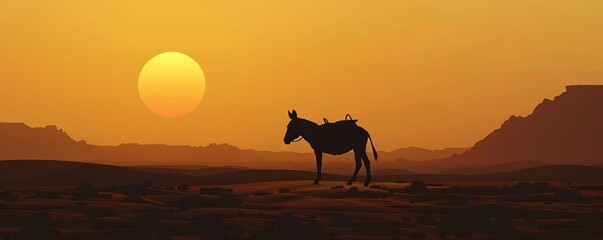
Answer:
(292, 128)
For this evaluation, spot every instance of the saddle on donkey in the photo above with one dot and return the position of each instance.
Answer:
(339, 126)
(348, 120)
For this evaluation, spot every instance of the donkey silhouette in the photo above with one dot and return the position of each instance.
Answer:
(333, 138)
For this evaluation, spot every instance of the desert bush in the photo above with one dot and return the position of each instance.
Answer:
(84, 191)
(284, 190)
(417, 186)
(83, 187)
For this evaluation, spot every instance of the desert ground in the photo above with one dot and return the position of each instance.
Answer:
(299, 210)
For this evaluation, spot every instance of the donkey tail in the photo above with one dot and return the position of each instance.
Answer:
(374, 151)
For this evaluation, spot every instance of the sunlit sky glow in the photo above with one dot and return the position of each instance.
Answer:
(416, 73)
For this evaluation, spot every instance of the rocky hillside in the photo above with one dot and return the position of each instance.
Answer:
(567, 129)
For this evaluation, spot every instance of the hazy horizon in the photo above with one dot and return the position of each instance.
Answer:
(213, 143)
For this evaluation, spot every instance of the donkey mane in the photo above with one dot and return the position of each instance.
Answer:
(307, 121)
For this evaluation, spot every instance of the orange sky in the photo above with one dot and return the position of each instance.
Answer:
(416, 73)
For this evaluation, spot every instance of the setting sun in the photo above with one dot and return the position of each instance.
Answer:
(171, 84)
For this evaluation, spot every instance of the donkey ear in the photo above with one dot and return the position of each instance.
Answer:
(292, 115)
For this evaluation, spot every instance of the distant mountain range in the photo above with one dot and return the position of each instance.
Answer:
(19, 141)
(565, 130)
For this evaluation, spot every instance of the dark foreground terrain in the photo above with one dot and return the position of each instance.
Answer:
(294, 208)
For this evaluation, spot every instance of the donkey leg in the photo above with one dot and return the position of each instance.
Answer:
(358, 165)
(318, 166)
(367, 167)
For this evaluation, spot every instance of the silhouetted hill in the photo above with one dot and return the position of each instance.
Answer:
(565, 130)
(49, 172)
(19, 141)
(499, 167)
(421, 154)
(264, 175)
(391, 172)
(560, 173)
(191, 172)
(52, 173)
(347, 170)
(18, 169)
(18, 173)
